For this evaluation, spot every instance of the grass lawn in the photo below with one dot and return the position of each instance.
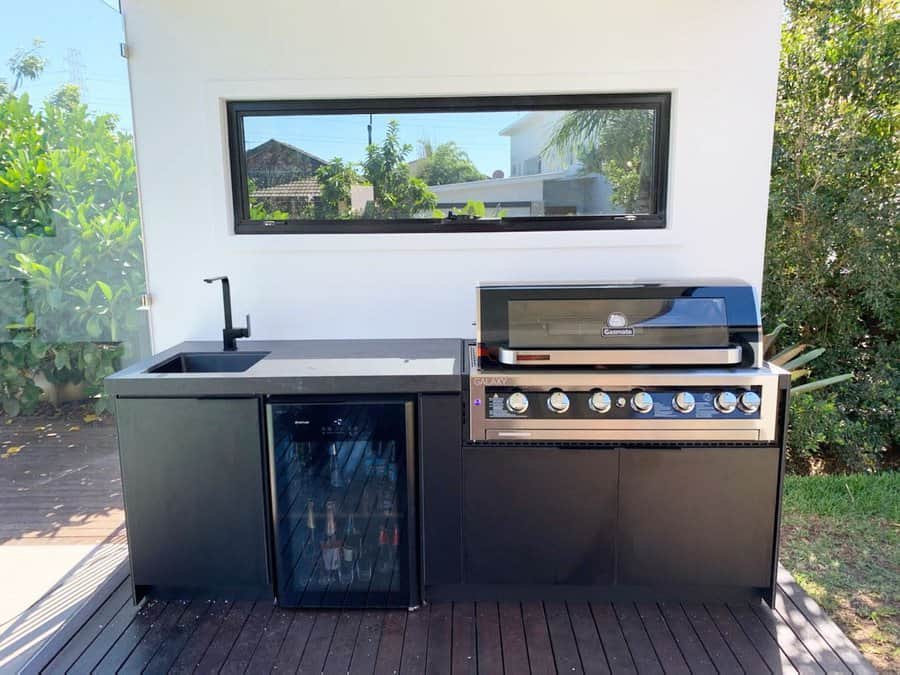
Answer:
(840, 538)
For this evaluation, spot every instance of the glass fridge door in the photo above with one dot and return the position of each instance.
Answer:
(342, 485)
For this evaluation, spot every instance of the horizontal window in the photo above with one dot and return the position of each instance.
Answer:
(507, 163)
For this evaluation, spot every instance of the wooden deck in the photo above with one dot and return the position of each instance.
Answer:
(59, 480)
(110, 635)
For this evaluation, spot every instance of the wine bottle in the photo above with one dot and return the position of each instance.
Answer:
(385, 550)
(350, 550)
(331, 545)
(392, 464)
(311, 517)
(395, 545)
(336, 479)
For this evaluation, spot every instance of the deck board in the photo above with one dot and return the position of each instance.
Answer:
(415, 642)
(68, 654)
(440, 640)
(537, 638)
(617, 653)
(686, 638)
(291, 651)
(775, 658)
(593, 658)
(562, 638)
(670, 657)
(199, 640)
(487, 630)
(270, 643)
(319, 642)
(251, 633)
(796, 651)
(512, 638)
(391, 648)
(152, 640)
(721, 654)
(176, 637)
(639, 644)
(463, 658)
(736, 639)
(341, 651)
(485, 637)
(130, 638)
(221, 644)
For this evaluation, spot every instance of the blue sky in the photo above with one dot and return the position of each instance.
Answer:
(81, 43)
(345, 136)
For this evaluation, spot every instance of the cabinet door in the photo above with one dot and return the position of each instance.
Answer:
(441, 454)
(697, 516)
(193, 480)
(538, 516)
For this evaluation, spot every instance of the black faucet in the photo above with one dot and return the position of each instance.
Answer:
(230, 334)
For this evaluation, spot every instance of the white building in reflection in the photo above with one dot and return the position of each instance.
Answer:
(540, 183)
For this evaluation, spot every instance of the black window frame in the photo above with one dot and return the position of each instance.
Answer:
(237, 110)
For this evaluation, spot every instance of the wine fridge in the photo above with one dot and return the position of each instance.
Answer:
(343, 501)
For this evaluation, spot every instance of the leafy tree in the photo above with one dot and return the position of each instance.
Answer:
(335, 180)
(27, 64)
(831, 270)
(397, 193)
(70, 243)
(616, 143)
(448, 163)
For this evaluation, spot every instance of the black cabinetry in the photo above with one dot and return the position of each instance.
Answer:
(194, 488)
(697, 516)
(441, 480)
(595, 522)
(540, 516)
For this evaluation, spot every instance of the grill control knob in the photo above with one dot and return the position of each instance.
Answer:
(600, 402)
(725, 402)
(749, 402)
(642, 402)
(517, 402)
(558, 402)
(683, 402)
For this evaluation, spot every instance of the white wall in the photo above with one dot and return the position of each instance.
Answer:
(719, 58)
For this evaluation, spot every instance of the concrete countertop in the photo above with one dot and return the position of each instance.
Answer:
(306, 367)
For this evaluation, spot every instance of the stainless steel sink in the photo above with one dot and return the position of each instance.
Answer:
(208, 362)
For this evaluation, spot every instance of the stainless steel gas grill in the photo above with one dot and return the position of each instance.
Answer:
(621, 442)
(602, 362)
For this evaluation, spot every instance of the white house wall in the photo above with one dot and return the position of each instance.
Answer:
(529, 140)
(719, 59)
(528, 189)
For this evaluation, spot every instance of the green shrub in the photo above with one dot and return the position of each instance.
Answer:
(833, 240)
(70, 247)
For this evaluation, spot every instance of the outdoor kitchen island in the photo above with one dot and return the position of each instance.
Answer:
(283, 468)
(597, 441)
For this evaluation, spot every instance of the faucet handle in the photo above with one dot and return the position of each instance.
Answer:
(247, 327)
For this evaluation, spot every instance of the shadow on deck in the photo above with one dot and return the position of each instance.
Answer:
(109, 634)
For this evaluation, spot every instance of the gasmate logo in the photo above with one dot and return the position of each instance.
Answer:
(617, 326)
(617, 320)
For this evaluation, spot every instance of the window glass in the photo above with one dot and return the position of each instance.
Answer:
(306, 163)
(71, 256)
